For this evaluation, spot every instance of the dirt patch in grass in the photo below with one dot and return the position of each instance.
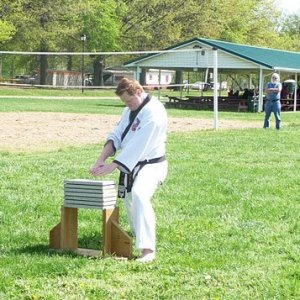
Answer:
(50, 131)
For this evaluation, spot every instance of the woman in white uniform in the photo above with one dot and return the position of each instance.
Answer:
(140, 142)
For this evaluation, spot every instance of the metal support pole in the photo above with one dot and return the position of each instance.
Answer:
(137, 73)
(83, 39)
(216, 122)
(260, 93)
(1, 66)
(295, 92)
(159, 84)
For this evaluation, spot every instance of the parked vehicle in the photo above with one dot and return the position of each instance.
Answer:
(24, 79)
(199, 85)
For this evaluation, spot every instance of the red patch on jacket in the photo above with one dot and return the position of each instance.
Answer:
(135, 125)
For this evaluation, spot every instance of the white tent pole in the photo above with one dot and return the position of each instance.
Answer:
(220, 86)
(260, 93)
(216, 125)
(295, 92)
(206, 75)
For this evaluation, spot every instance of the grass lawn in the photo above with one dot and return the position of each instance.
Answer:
(91, 101)
(227, 219)
(11, 91)
(42, 92)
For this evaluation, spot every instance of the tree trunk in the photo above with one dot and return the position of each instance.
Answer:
(44, 19)
(43, 64)
(69, 62)
(98, 70)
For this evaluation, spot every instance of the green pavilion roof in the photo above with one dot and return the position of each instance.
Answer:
(267, 58)
(271, 58)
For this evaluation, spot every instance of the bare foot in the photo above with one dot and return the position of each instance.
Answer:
(148, 255)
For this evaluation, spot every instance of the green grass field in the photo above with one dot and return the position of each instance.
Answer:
(227, 217)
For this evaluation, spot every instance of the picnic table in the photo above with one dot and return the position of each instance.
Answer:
(207, 103)
(288, 104)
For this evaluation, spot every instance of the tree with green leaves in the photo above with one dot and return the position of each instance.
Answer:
(112, 25)
(159, 24)
(39, 27)
(7, 31)
(57, 25)
(101, 24)
(291, 28)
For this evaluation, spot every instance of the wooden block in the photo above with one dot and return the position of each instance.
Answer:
(108, 216)
(121, 242)
(69, 228)
(115, 240)
(54, 237)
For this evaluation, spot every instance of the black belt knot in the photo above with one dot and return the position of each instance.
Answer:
(126, 180)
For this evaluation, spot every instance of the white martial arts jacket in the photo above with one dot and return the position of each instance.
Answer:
(145, 139)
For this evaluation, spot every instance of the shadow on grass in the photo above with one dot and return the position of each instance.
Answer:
(293, 125)
(91, 242)
(42, 250)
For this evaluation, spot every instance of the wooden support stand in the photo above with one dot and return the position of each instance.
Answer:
(115, 240)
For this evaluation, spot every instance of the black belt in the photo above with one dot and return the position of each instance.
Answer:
(151, 161)
(126, 180)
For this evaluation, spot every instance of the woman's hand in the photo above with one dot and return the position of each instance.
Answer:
(101, 169)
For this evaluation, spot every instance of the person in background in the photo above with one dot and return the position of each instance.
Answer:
(247, 93)
(141, 138)
(273, 91)
(236, 93)
(230, 93)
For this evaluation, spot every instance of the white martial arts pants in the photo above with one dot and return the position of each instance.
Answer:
(139, 207)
